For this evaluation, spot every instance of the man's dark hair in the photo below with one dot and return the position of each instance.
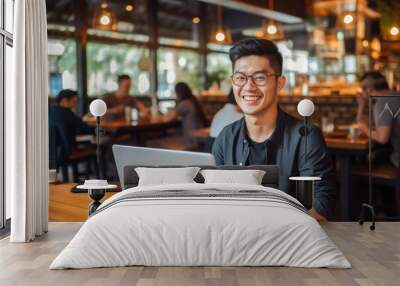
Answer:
(66, 94)
(257, 47)
(123, 77)
(376, 80)
(231, 97)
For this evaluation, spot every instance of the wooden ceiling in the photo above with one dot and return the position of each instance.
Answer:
(174, 16)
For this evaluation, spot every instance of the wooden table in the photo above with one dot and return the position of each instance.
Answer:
(67, 206)
(159, 122)
(344, 149)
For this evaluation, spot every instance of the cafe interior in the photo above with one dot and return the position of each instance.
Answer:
(145, 58)
(326, 47)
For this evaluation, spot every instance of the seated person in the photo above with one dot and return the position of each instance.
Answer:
(268, 135)
(67, 123)
(386, 113)
(189, 110)
(225, 116)
(118, 100)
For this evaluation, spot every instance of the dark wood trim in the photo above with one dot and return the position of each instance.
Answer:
(108, 40)
(203, 30)
(152, 10)
(81, 26)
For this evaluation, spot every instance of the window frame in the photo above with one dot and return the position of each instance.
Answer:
(6, 39)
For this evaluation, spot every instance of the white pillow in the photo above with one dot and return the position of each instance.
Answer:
(166, 176)
(248, 177)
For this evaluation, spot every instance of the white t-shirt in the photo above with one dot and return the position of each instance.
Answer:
(225, 116)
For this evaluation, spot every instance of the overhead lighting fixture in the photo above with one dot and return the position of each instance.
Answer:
(221, 35)
(196, 20)
(129, 8)
(348, 19)
(270, 29)
(376, 48)
(104, 19)
(394, 31)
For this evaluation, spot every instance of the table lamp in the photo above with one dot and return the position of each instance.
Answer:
(98, 108)
(305, 184)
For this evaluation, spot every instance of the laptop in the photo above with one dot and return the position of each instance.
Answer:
(142, 156)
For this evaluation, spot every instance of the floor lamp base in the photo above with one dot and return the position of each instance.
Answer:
(362, 215)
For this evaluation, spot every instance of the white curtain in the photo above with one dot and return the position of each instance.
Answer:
(26, 124)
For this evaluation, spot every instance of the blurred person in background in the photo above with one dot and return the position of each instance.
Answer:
(226, 115)
(189, 110)
(385, 114)
(118, 100)
(62, 117)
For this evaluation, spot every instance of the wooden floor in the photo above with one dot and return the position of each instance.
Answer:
(66, 206)
(375, 257)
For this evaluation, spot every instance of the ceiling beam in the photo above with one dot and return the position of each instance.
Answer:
(256, 10)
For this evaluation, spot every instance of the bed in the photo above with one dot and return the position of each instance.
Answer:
(201, 224)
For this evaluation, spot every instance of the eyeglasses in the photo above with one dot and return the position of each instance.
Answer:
(259, 78)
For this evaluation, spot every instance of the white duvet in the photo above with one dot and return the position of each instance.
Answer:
(200, 231)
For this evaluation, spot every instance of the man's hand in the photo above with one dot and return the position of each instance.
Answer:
(316, 215)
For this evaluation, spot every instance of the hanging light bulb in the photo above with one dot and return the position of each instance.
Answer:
(105, 19)
(129, 8)
(196, 20)
(394, 31)
(221, 36)
(348, 19)
(270, 29)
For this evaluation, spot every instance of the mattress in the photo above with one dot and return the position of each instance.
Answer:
(201, 225)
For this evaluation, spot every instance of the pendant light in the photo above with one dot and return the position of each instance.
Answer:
(221, 36)
(270, 29)
(105, 19)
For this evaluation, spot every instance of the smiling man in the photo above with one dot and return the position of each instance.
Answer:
(266, 134)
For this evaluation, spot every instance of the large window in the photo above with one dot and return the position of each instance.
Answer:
(175, 66)
(6, 64)
(106, 62)
(62, 65)
(219, 69)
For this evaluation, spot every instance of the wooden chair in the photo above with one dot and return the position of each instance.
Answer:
(61, 158)
(384, 175)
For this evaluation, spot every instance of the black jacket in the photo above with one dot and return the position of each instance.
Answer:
(286, 147)
(67, 125)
